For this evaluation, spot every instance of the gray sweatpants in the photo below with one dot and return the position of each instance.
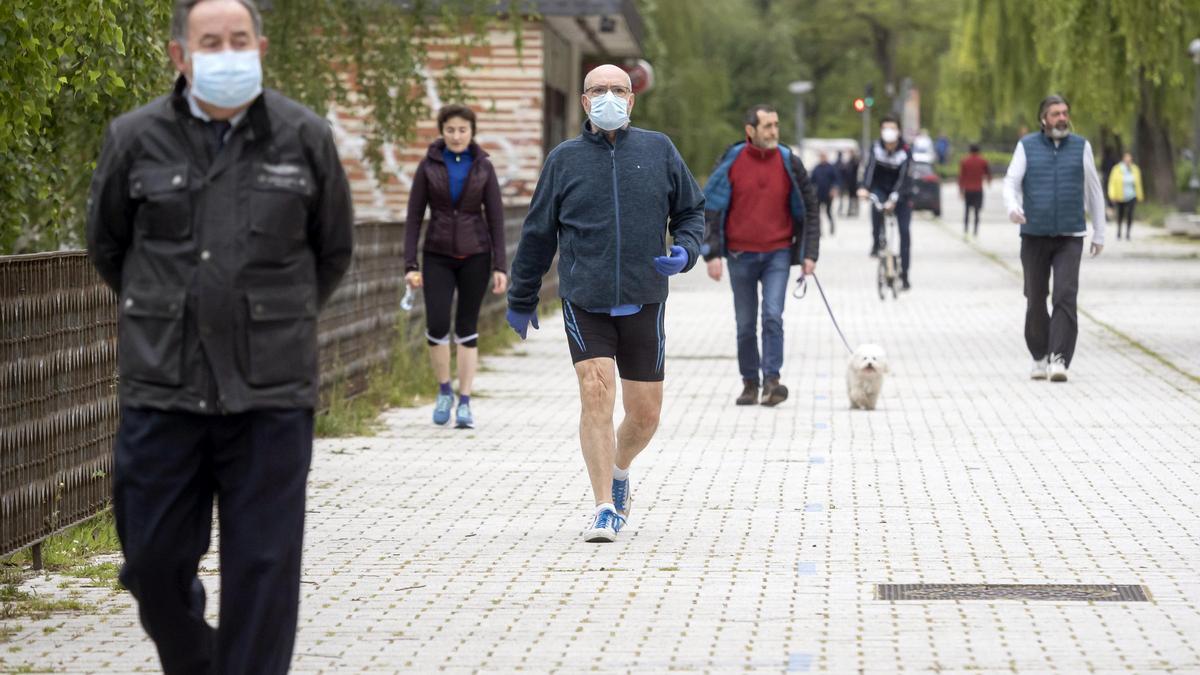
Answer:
(1042, 257)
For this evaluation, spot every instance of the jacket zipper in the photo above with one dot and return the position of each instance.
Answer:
(617, 220)
(1054, 200)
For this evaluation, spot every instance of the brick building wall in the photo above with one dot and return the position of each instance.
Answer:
(508, 91)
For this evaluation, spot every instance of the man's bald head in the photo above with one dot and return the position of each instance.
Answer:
(607, 74)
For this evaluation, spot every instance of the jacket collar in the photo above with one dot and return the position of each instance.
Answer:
(759, 153)
(256, 115)
(601, 137)
(436, 148)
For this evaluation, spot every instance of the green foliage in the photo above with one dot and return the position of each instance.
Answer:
(716, 59)
(1006, 56)
(68, 67)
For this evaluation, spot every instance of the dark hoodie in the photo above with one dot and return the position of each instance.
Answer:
(455, 229)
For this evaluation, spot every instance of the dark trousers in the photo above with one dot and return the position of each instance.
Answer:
(168, 467)
(827, 204)
(443, 276)
(1042, 257)
(973, 201)
(903, 222)
(1125, 215)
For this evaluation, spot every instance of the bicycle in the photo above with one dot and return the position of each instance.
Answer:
(888, 275)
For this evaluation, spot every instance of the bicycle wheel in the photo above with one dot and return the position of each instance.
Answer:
(881, 277)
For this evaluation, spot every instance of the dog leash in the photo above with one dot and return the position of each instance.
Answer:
(802, 289)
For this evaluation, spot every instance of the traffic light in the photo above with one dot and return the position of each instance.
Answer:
(870, 101)
(859, 105)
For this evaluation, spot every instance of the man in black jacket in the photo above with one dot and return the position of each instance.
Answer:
(221, 216)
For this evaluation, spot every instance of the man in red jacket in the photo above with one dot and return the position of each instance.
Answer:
(972, 174)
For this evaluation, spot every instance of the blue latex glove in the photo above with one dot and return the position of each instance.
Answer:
(520, 321)
(672, 264)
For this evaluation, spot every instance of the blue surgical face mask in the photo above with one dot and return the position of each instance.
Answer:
(608, 112)
(227, 79)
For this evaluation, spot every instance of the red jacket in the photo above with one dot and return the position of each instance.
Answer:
(758, 218)
(971, 172)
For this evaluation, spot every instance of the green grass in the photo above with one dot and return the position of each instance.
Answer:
(406, 380)
(71, 551)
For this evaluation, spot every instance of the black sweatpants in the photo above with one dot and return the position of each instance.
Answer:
(972, 201)
(168, 466)
(1125, 216)
(827, 204)
(443, 275)
(1042, 257)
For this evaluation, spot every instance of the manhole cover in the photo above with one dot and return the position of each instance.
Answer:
(1053, 592)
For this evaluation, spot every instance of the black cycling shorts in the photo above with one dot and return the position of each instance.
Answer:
(637, 341)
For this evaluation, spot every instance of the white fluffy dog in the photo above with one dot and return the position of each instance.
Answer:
(864, 376)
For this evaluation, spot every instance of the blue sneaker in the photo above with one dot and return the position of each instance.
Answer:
(622, 497)
(463, 418)
(441, 409)
(605, 526)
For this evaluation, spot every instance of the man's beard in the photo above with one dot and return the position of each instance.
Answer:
(1060, 132)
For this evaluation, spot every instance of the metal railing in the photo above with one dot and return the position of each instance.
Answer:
(58, 370)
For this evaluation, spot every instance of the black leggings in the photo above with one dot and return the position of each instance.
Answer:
(442, 275)
(1125, 215)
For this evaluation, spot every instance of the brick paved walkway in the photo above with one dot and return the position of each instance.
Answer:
(758, 534)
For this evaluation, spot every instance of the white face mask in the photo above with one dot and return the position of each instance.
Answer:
(608, 112)
(889, 135)
(227, 79)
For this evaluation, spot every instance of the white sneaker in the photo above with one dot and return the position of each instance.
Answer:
(1058, 369)
(1038, 372)
(605, 525)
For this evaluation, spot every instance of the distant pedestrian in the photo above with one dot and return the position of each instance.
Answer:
(849, 171)
(973, 174)
(1125, 191)
(221, 216)
(1051, 181)
(464, 252)
(941, 146)
(826, 178)
(761, 216)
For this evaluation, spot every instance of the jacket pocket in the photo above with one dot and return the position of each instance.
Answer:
(150, 335)
(164, 201)
(281, 195)
(281, 336)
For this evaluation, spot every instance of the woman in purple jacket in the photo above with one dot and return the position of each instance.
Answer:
(463, 252)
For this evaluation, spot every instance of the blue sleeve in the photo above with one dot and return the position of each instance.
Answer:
(687, 209)
(538, 243)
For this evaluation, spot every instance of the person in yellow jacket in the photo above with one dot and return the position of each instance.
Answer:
(1125, 190)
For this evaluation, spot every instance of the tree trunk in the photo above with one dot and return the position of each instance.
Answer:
(1155, 155)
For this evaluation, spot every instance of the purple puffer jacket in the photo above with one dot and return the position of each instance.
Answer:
(457, 230)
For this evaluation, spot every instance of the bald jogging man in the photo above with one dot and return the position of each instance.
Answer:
(605, 202)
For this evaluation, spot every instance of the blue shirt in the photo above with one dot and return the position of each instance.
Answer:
(458, 165)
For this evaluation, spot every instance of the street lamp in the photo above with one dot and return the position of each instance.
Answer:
(1194, 183)
(799, 88)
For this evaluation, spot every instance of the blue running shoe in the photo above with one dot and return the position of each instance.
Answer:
(622, 497)
(462, 416)
(441, 409)
(605, 526)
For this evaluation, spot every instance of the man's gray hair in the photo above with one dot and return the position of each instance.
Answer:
(183, 9)
(1052, 99)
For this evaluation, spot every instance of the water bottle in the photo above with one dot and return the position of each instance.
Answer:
(406, 303)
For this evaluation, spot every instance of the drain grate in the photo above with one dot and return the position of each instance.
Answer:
(1052, 592)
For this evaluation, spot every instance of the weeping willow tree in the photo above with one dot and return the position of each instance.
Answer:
(1123, 65)
(69, 66)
